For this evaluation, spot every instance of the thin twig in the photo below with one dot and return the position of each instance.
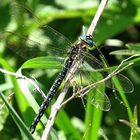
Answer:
(61, 97)
(54, 110)
(96, 17)
(123, 61)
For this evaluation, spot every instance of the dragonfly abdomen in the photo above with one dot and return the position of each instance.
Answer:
(51, 93)
(72, 55)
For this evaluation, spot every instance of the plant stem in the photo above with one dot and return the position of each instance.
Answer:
(96, 17)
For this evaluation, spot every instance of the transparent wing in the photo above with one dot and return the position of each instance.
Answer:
(100, 100)
(90, 72)
(91, 63)
(33, 39)
(28, 48)
(82, 81)
(123, 82)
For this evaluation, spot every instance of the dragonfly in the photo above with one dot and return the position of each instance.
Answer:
(45, 41)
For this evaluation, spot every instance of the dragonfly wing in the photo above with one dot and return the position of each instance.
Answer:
(100, 100)
(92, 61)
(96, 66)
(33, 39)
(123, 83)
(28, 48)
(82, 81)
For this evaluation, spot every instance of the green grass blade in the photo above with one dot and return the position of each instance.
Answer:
(92, 121)
(93, 115)
(134, 132)
(24, 130)
(43, 62)
(23, 97)
(65, 124)
(124, 99)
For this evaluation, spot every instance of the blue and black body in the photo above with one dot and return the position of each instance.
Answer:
(76, 49)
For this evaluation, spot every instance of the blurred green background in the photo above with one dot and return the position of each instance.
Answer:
(118, 26)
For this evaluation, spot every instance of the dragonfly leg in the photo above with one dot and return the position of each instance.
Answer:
(76, 89)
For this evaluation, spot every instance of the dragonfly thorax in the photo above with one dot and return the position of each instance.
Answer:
(77, 50)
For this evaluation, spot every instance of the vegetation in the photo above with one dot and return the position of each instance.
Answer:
(117, 35)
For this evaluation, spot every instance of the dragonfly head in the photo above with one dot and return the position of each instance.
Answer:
(88, 40)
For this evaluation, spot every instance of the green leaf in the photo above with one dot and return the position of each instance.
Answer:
(78, 4)
(135, 134)
(123, 96)
(21, 101)
(65, 124)
(43, 62)
(23, 84)
(115, 21)
(24, 130)
(124, 52)
(134, 47)
(93, 116)
(23, 97)
(92, 120)
(132, 50)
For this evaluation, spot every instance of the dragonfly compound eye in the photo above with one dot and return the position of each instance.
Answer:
(88, 40)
